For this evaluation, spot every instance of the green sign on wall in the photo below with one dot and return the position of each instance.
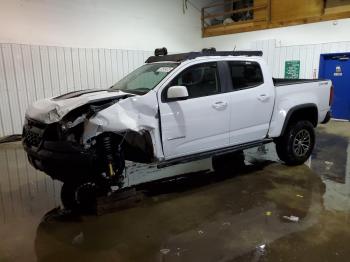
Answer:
(292, 69)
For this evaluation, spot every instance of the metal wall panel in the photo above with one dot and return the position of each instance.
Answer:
(309, 56)
(29, 73)
(16, 109)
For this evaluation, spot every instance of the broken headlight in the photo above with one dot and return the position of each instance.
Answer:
(70, 124)
(53, 115)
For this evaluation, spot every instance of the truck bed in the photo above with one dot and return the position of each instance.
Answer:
(291, 93)
(285, 81)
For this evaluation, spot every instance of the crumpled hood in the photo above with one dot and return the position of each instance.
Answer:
(53, 109)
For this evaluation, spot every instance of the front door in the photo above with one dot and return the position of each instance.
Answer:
(199, 123)
(336, 67)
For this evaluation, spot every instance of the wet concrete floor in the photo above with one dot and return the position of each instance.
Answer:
(268, 212)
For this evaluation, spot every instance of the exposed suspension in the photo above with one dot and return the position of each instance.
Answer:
(108, 154)
(113, 157)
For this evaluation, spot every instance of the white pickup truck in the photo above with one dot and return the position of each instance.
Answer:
(174, 109)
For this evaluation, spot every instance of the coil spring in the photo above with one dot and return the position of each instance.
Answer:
(107, 144)
(111, 153)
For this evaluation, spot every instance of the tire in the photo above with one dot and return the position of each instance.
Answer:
(79, 196)
(228, 164)
(68, 197)
(296, 144)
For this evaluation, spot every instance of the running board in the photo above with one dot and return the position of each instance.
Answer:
(216, 152)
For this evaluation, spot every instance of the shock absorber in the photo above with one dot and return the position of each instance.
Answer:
(107, 145)
(111, 155)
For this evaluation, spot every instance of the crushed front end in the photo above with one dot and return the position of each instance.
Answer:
(83, 139)
(58, 148)
(50, 151)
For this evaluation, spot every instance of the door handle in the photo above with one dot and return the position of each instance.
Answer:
(220, 105)
(263, 97)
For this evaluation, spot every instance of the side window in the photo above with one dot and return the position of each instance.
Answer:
(200, 80)
(245, 74)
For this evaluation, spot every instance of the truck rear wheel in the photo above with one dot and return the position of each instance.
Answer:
(229, 163)
(297, 143)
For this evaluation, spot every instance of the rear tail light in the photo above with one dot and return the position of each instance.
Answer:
(331, 96)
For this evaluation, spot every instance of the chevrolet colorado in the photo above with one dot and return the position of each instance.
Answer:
(174, 109)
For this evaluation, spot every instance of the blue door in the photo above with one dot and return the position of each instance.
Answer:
(336, 67)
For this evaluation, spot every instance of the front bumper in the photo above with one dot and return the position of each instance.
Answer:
(50, 152)
(62, 160)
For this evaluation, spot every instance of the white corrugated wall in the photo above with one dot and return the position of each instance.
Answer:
(29, 73)
(309, 55)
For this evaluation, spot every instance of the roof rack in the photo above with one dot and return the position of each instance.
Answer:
(159, 57)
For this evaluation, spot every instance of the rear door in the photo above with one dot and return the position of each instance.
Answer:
(201, 122)
(251, 102)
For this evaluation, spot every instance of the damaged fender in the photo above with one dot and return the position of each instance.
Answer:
(137, 114)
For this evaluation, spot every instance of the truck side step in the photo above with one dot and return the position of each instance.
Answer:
(216, 152)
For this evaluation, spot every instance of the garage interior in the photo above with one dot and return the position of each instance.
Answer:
(265, 211)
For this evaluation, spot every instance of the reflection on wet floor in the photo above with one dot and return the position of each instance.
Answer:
(23, 190)
(268, 212)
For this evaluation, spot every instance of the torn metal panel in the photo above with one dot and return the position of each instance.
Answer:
(137, 113)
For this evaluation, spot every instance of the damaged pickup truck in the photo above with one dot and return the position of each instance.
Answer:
(174, 109)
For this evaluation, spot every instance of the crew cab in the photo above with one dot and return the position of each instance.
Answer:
(174, 109)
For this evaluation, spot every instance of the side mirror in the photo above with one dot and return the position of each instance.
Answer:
(177, 93)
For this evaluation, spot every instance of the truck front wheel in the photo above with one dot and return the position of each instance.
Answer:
(80, 196)
(295, 146)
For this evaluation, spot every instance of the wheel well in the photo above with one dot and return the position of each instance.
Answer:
(307, 112)
(137, 146)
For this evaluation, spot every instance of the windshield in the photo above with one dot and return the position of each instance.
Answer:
(144, 79)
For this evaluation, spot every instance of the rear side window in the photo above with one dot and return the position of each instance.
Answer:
(245, 74)
(200, 80)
